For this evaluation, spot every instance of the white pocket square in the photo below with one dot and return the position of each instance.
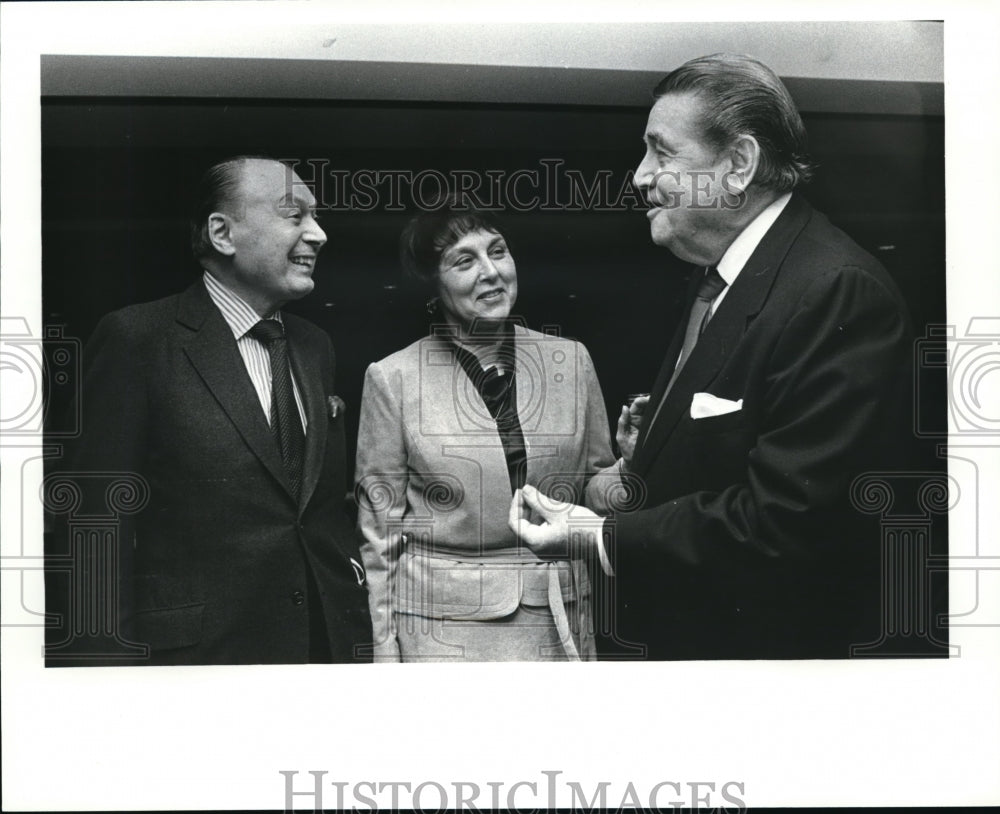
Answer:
(705, 405)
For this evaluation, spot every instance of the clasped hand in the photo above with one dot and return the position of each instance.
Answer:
(562, 524)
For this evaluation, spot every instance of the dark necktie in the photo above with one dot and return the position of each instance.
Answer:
(285, 422)
(701, 311)
(710, 288)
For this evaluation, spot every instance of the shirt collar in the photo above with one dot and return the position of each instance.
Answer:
(239, 316)
(505, 349)
(746, 242)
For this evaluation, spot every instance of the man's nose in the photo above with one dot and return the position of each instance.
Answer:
(314, 234)
(643, 174)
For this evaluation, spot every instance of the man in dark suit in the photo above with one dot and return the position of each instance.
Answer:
(786, 379)
(224, 408)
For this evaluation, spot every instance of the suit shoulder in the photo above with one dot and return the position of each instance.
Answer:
(523, 334)
(830, 246)
(140, 320)
(552, 344)
(823, 254)
(407, 359)
(389, 375)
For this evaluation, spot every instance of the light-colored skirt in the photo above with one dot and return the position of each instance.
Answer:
(498, 606)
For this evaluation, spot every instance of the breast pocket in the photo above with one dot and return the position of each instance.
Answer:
(716, 451)
(726, 423)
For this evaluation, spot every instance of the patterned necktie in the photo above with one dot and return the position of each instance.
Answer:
(285, 422)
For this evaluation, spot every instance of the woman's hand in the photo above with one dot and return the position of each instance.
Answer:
(564, 529)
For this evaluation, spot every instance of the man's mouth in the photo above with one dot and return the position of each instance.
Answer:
(303, 260)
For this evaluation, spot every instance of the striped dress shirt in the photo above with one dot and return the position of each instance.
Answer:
(240, 318)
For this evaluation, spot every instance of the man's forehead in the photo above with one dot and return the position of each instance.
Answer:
(675, 113)
(274, 181)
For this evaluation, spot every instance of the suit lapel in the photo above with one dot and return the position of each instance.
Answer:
(213, 352)
(725, 329)
(306, 367)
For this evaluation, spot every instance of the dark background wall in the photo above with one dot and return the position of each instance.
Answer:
(117, 175)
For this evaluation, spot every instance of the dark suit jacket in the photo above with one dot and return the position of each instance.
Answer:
(220, 565)
(746, 544)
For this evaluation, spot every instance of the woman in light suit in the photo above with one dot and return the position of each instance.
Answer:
(450, 426)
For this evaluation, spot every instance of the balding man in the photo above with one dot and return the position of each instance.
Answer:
(225, 407)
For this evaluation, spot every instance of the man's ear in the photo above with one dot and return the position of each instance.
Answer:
(220, 233)
(744, 156)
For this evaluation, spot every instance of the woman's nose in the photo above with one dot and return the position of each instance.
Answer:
(487, 268)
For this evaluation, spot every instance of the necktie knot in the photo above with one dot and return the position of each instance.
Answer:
(267, 330)
(711, 286)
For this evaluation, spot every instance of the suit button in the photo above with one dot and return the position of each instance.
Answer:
(298, 597)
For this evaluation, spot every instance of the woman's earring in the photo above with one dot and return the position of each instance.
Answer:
(431, 305)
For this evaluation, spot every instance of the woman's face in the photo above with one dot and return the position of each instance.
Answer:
(476, 279)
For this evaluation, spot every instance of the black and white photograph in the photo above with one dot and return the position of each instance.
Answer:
(339, 338)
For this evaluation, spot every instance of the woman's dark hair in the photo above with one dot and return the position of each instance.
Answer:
(430, 233)
(742, 96)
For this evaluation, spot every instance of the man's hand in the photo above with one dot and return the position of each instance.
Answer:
(629, 423)
(562, 524)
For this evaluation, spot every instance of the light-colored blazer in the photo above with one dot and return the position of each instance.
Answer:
(431, 471)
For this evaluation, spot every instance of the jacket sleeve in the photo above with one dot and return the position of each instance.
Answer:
(603, 483)
(114, 416)
(381, 480)
(827, 391)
